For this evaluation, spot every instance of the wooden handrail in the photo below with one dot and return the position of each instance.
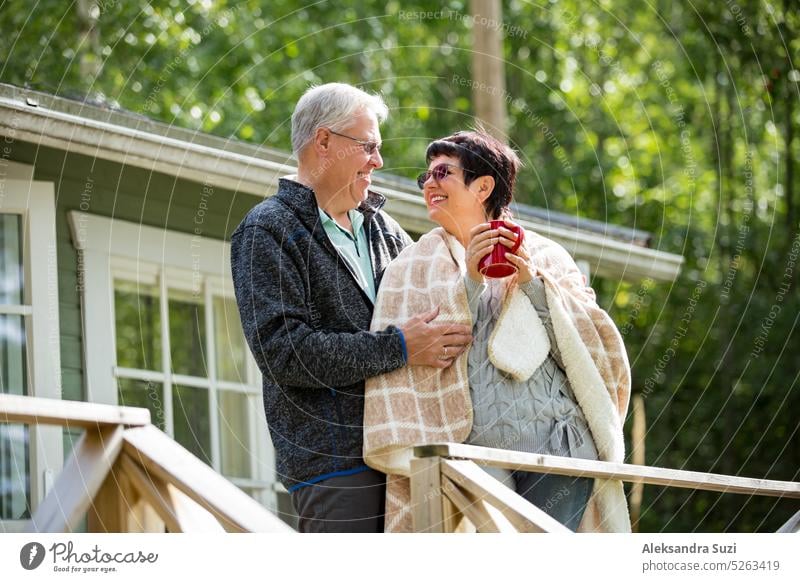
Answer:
(123, 463)
(450, 492)
(71, 413)
(170, 462)
(604, 470)
(791, 526)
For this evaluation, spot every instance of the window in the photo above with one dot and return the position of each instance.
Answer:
(29, 339)
(164, 315)
(187, 364)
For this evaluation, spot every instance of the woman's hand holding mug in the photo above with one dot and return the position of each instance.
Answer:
(521, 259)
(483, 259)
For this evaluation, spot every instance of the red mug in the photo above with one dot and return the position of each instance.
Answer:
(494, 265)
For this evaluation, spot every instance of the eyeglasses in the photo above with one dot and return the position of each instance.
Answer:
(438, 173)
(370, 147)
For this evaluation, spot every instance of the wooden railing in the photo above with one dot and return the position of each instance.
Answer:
(126, 475)
(451, 493)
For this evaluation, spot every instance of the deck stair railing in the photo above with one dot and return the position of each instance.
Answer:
(125, 475)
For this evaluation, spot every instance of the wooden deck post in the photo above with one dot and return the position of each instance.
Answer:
(426, 495)
(638, 434)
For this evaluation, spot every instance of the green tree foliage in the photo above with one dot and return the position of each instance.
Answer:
(671, 117)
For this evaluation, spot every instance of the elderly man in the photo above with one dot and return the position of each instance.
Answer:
(306, 263)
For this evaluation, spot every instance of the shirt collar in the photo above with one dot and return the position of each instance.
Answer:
(356, 219)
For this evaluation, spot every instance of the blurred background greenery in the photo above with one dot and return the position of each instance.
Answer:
(678, 118)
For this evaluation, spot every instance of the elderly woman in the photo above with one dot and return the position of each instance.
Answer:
(547, 372)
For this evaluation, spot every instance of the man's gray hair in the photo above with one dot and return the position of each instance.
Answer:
(332, 105)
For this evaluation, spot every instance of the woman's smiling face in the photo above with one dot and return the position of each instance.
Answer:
(451, 203)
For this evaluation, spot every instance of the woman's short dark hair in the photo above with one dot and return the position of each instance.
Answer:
(480, 154)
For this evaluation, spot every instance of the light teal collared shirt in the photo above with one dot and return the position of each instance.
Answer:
(355, 250)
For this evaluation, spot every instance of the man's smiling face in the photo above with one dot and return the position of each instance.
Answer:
(350, 174)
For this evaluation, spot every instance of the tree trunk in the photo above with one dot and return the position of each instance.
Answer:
(791, 221)
(89, 45)
(790, 96)
(729, 315)
(488, 67)
(638, 434)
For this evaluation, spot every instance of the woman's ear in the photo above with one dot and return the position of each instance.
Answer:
(485, 187)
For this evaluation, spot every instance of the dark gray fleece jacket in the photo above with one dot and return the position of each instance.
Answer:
(306, 320)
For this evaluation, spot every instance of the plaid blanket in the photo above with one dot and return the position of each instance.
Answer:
(418, 405)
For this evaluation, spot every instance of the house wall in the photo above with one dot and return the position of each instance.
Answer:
(126, 193)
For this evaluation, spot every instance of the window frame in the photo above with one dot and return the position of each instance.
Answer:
(35, 202)
(113, 250)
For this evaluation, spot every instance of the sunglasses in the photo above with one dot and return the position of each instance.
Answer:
(438, 173)
(370, 147)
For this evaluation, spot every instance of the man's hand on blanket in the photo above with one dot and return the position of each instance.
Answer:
(434, 344)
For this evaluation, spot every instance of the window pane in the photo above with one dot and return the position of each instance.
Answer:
(191, 420)
(13, 375)
(14, 472)
(11, 271)
(138, 321)
(143, 394)
(229, 341)
(234, 433)
(187, 333)
(14, 438)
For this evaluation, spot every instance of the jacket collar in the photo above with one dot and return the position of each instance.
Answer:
(301, 199)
